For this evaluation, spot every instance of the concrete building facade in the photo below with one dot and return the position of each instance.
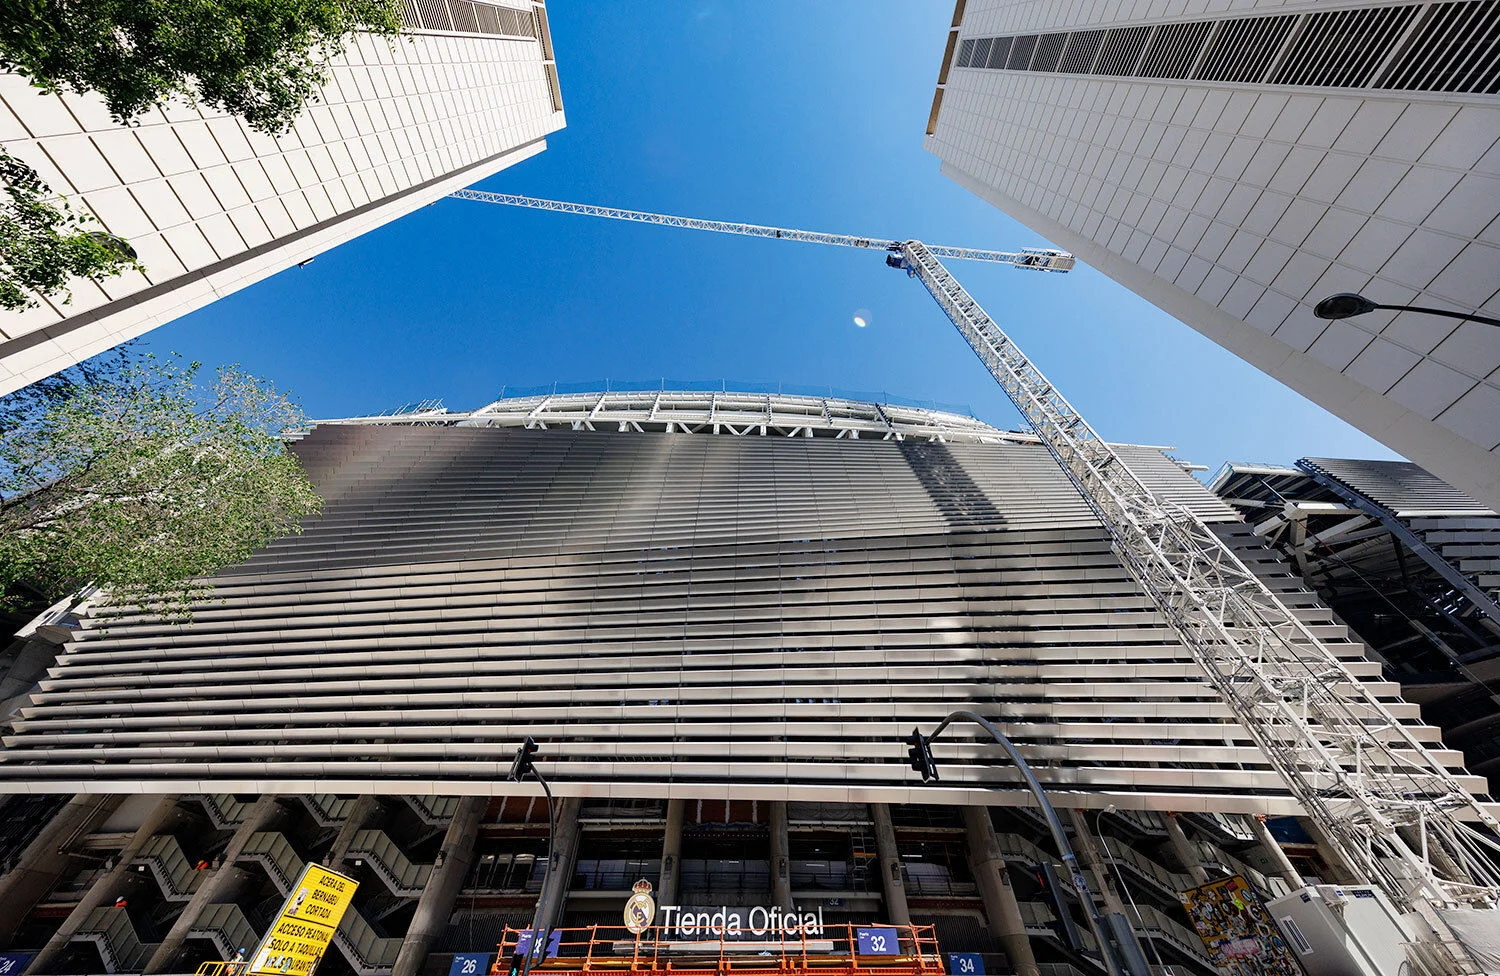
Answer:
(210, 205)
(1234, 163)
(718, 614)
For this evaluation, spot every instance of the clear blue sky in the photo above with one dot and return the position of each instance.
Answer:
(799, 114)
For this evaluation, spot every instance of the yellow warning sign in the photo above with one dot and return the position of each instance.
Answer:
(305, 926)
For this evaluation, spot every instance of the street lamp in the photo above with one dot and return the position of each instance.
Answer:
(1118, 947)
(1347, 304)
(1120, 878)
(519, 769)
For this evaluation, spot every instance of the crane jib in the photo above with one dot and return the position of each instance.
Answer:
(1028, 259)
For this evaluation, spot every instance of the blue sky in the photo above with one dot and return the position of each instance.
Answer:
(798, 114)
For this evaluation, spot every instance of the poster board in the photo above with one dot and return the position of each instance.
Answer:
(1238, 932)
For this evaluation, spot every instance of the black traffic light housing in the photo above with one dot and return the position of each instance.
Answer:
(920, 753)
(522, 764)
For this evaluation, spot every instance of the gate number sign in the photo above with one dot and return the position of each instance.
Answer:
(965, 964)
(470, 964)
(878, 942)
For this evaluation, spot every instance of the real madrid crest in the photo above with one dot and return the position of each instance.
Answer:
(640, 909)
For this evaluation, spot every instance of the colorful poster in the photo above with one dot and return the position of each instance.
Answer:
(1238, 932)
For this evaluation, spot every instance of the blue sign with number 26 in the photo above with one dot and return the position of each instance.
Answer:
(965, 964)
(470, 964)
(878, 942)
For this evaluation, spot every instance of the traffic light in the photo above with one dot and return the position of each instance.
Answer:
(920, 753)
(523, 765)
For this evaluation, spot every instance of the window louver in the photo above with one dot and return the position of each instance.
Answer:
(999, 52)
(1174, 50)
(1021, 51)
(1454, 50)
(1453, 46)
(982, 49)
(1083, 47)
(1049, 49)
(1122, 51)
(1341, 48)
(467, 17)
(1242, 50)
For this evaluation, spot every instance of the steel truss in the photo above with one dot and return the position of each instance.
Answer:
(1039, 259)
(1387, 806)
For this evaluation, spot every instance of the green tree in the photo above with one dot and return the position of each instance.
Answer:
(42, 243)
(129, 473)
(261, 60)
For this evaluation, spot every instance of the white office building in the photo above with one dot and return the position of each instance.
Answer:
(210, 205)
(1234, 163)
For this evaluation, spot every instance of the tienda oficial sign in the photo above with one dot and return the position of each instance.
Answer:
(739, 923)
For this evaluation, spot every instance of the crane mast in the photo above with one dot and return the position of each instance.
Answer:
(1387, 806)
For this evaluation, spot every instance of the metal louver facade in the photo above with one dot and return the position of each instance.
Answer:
(761, 614)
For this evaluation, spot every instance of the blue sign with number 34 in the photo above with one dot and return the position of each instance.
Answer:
(965, 964)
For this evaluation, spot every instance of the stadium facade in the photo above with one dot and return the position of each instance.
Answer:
(1235, 163)
(718, 614)
(211, 205)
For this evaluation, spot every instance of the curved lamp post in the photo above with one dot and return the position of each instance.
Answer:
(1117, 942)
(1346, 304)
(519, 770)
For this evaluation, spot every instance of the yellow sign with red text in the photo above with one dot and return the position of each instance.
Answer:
(304, 928)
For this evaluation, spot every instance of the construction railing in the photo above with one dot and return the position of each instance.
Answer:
(830, 950)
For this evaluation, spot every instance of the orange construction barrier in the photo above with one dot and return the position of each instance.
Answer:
(615, 950)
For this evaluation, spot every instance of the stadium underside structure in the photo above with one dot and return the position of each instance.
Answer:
(718, 614)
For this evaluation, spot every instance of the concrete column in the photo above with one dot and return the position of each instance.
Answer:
(1271, 847)
(45, 859)
(260, 816)
(560, 867)
(781, 859)
(891, 884)
(671, 855)
(360, 814)
(1186, 852)
(163, 816)
(1084, 842)
(435, 906)
(988, 865)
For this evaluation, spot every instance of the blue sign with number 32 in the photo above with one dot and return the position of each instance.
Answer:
(878, 942)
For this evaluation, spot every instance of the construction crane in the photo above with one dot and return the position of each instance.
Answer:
(1030, 258)
(1387, 807)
